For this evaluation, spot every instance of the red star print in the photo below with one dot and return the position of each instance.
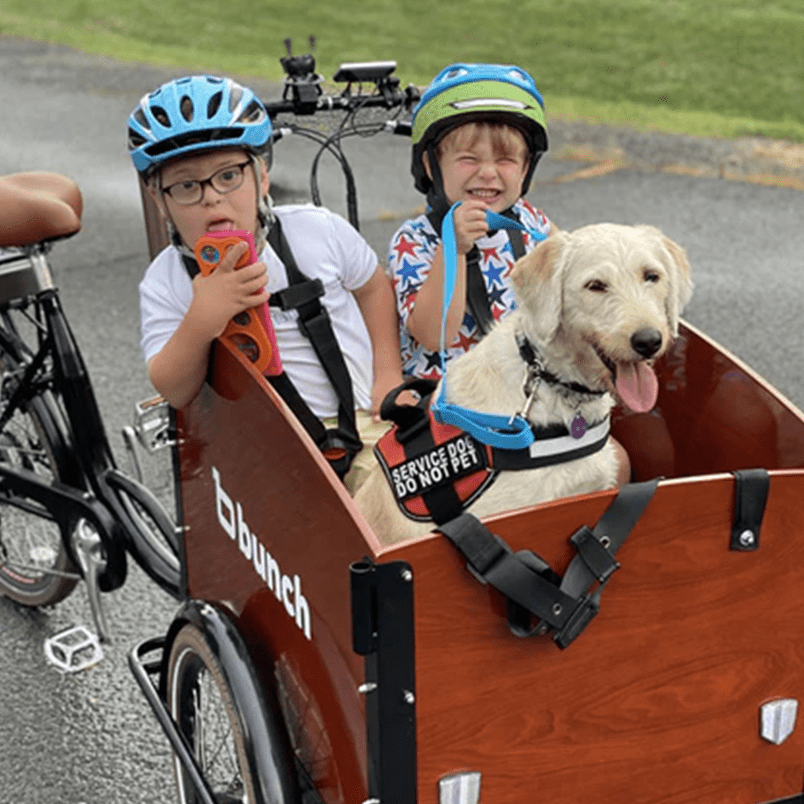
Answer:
(405, 246)
(465, 343)
(489, 253)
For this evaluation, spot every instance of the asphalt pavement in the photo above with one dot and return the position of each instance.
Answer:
(735, 206)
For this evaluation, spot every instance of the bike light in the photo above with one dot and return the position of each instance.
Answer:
(459, 788)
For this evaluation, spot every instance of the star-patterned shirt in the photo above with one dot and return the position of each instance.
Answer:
(409, 258)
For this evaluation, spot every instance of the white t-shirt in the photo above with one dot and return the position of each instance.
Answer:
(325, 247)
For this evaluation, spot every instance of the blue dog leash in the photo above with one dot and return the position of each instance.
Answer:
(498, 431)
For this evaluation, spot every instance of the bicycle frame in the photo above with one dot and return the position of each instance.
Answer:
(92, 490)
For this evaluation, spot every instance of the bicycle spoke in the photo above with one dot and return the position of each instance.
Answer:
(35, 569)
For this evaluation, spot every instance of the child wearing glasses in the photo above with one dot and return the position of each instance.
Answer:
(201, 145)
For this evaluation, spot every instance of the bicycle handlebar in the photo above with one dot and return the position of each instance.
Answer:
(388, 96)
(303, 85)
(302, 96)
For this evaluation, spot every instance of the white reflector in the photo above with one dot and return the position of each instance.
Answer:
(778, 719)
(459, 788)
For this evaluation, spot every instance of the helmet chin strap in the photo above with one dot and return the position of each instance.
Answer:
(436, 197)
(265, 212)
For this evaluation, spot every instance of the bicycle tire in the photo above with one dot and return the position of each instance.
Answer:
(35, 568)
(201, 704)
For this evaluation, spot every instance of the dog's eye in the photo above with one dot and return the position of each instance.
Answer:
(651, 276)
(596, 286)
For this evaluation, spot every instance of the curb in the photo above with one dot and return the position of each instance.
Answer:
(604, 148)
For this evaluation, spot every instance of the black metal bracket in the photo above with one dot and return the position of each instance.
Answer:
(383, 632)
(750, 495)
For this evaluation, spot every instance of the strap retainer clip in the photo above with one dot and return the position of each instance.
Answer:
(594, 553)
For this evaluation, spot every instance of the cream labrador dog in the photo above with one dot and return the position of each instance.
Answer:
(595, 307)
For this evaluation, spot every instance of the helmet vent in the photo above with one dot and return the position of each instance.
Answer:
(187, 109)
(193, 138)
(140, 117)
(214, 104)
(455, 72)
(253, 113)
(234, 96)
(135, 139)
(161, 116)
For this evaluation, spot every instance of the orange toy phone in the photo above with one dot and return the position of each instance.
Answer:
(251, 331)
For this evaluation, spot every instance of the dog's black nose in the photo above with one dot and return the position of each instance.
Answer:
(646, 342)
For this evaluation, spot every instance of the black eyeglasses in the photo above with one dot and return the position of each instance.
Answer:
(191, 191)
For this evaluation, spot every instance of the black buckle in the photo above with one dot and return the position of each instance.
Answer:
(306, 325)
(340, 449)
(583, 614)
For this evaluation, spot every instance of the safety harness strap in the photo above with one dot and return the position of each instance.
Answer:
(339, 444)
(532, 589)
(493, 562)
(595, 561)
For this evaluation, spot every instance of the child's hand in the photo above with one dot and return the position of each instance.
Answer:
(226, 292)
(470, 224)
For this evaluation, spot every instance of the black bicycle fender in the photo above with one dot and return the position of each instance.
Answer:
(267, 747)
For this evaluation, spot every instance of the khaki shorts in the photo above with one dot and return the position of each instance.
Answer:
(370, 432)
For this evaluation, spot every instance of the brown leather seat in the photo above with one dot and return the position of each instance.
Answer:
(38, 206)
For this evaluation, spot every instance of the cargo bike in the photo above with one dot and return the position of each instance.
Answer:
(312, 662)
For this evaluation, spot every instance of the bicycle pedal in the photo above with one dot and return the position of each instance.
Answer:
(152, 423)
(73, 650)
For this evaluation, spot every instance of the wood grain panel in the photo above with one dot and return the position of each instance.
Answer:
(658, 701)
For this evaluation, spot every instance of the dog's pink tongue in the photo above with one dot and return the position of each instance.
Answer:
(637, 386)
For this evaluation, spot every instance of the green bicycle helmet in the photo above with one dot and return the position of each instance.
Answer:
(465, 93)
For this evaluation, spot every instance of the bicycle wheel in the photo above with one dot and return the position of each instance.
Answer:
(35, 569)
(200, 702)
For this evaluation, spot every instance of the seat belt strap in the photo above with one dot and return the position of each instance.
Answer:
(303, 295)
(339, 444)
(493, 562)
(532, 589)
(595, 561)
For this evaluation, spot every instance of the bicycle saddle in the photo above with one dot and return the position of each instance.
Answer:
(38, 206)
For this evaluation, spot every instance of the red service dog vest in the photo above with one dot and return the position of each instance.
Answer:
(453, 460)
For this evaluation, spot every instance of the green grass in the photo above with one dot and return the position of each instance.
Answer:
(706, 67)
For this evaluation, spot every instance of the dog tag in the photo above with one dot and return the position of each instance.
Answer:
(578, 426)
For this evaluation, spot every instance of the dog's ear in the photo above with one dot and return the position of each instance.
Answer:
(538, 285)
(680, 281)
(678, 274)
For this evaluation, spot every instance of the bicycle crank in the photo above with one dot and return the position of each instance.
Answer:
(88, 549)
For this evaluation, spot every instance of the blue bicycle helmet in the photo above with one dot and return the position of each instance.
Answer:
(196, 113)
(464, 93)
